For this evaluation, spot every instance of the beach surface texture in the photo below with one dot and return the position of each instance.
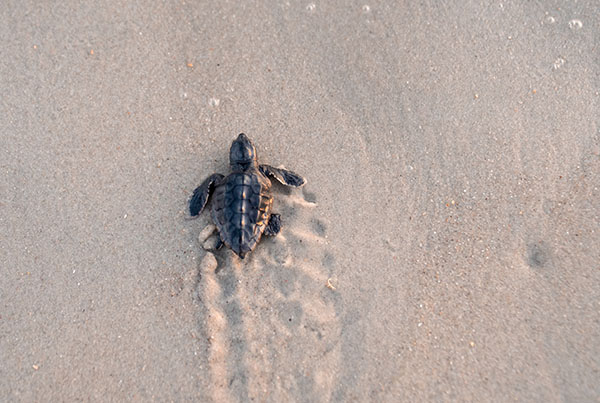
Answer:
(445, 248)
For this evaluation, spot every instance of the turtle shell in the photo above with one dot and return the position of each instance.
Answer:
(241, 209)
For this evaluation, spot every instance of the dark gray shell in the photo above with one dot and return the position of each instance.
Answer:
(241, 208)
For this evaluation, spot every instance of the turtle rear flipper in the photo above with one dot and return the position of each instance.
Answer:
(274, 225)
(202, 193)
(284, 176)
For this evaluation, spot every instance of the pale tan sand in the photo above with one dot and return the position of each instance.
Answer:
(446, 246)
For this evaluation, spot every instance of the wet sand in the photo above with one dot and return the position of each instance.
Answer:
(445, 248)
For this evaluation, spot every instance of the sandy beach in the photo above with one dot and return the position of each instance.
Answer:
(445, 248)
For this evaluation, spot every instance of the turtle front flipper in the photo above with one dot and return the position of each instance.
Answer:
(284, 176)
(202, 193)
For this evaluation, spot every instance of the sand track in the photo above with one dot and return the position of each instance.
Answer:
(261, 313)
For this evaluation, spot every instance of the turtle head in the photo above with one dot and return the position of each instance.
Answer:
(242, 154)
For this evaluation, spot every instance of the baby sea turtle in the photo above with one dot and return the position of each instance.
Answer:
(242, 200)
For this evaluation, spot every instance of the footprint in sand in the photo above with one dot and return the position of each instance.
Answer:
(273, 328)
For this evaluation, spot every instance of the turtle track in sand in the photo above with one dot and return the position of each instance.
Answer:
(271, 320)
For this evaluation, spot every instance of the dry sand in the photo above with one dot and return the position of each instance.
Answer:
(453, 160)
